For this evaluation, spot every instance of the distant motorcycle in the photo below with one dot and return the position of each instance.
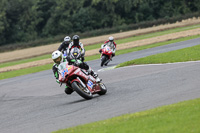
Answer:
(79, 80)
(106, 55)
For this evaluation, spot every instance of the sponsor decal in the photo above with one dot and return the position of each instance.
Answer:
(69, 68)
(82, 74)
(76, 71)
(65, 71)
(90, 84)
(107, 49)
(92, 78)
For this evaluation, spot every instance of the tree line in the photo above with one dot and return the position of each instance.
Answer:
(26, 20)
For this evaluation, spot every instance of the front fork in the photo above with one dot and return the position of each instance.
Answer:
(84, 86)
(81, 82)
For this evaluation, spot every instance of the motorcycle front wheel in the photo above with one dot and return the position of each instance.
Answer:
(103, 60)
(84, 92)
(103, 89)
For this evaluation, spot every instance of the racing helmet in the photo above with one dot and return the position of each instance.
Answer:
(111, 39)
(67, 39)
(57, 56)
(75, 39)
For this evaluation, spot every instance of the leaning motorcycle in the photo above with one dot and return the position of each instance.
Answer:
(106, 55)
(79, 80)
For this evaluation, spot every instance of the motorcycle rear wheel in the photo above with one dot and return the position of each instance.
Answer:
(103, 60)
(103, 89)
(84, 92)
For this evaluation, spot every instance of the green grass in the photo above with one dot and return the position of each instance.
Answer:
(183, 117)
(15, 73)
(25, 61)
(145, 36)
(25, 71)
(156, 45)
(155, 34)
(181, 55)
(121, 41)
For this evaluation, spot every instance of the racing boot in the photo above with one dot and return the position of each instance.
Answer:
(68, 90)
(98, 80)
(94, 74)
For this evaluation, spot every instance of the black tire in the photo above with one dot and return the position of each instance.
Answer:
(103, 60)
(85, 93)
(103, 89)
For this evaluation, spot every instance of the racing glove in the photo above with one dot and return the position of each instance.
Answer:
(57, 81)
(78, 62)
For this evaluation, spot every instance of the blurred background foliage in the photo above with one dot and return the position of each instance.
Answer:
(26, 23)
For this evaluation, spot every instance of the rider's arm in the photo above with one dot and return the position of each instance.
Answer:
(60, 47)
(115, 44)
(103, 45)
(75, 62)
(113, 49)
(106, 41)
(55, 71)
(69, 48)
(82, 49)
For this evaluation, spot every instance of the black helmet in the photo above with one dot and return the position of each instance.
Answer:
(75, 39)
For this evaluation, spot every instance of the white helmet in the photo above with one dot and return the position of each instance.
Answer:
(67, 39)
(57, 56)
(111, 39)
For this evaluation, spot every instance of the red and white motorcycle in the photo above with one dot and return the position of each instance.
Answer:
(79, 80)
(106, 55)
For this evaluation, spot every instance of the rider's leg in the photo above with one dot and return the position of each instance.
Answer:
(113, 54)
(85, 66)
(68, 90)
(100, 50)
(82, 59)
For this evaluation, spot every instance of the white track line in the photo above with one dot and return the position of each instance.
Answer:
(113, 67)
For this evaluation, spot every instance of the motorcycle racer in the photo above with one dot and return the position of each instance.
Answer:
(64, 45)
(110, 42)
(58, 58)
(78, 44)
(81, 64)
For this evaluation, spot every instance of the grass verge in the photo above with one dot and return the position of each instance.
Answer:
(121, 41)
(145, 36)
(25, 61)
(183, 117)
(25, 71)
(20, 72)
(181, 55)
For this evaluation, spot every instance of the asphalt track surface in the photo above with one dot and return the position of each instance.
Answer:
(35, 103)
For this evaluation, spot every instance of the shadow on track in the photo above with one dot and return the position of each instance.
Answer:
(95, 97)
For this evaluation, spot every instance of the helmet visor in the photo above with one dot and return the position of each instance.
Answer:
(66, 42)
(57, 60)
(76, 42)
